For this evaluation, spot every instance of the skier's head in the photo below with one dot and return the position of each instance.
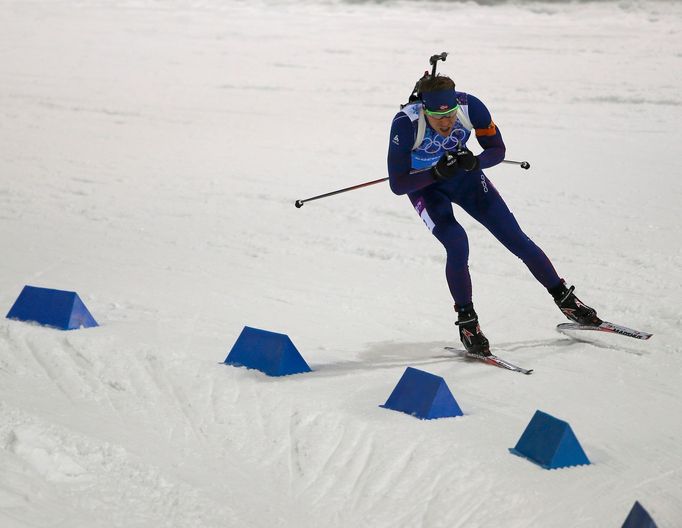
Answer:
(438, 94)
(440, 102)
(434, 83)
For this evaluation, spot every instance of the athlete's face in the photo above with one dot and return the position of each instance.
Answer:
(442, 124)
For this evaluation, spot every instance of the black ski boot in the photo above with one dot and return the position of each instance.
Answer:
(572, 307)
(470, 333)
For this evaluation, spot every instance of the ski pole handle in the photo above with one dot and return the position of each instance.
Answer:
(522, 164)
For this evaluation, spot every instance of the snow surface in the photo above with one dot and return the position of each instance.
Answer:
(150, 155)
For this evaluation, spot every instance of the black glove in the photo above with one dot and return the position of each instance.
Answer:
(466, 159)
(453, 160)
(445, 167)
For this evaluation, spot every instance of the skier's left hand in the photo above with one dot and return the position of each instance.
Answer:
(466, 159)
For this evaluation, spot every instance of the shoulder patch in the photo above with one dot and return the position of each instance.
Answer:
(396, 140)
(462, 98)
(491, 130)
(412, 111)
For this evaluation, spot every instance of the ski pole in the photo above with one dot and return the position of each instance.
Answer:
(299, 203)
(522, 164)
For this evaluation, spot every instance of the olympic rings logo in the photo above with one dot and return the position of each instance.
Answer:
(436, 143)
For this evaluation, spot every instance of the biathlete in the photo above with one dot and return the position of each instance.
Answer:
(429, 162)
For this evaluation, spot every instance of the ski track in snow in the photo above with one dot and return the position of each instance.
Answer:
(150, 157)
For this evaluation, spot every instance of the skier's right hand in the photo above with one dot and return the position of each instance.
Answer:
(446, 167)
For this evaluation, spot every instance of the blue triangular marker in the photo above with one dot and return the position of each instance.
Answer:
(550, 443)
(639, 518)
(423, 395)
(270, 352)
(56, 308)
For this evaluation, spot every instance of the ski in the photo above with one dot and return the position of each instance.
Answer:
(492, 360)
(605, 326)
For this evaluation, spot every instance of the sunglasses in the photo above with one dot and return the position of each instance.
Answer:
(441, 115)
